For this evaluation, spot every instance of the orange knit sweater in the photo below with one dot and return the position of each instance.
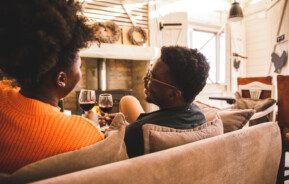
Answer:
(31, 130)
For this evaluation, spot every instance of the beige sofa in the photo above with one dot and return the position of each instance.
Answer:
(246, 156)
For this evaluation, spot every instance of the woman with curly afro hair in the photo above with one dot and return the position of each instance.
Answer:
(39, 44)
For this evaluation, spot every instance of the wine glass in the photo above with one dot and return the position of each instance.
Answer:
(87, 99)
(105, 103)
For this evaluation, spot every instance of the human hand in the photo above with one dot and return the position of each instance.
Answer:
(106, 120)
(92, 116)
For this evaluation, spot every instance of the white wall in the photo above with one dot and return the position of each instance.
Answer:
(261, 25)
(256, 39)
(274, 15)
(237, 40)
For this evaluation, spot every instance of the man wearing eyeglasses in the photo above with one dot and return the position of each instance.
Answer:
(172, 84)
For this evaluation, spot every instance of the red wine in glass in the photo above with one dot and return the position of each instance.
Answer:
(105, 109)
(86, 106)
(86, 99)
(105, 103)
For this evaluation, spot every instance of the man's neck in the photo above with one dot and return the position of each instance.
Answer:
(173, 105)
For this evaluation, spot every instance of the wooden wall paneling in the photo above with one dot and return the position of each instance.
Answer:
(175, 35)
(119, 23)
(279, 29)
(257, 40)
(115, 6)
(100, 11)
(113, 10)
(115, 16)
(283, 100)
(247, 80)
(128, 12)
(261, 30)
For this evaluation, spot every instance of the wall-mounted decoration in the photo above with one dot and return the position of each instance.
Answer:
(141, 32)
(240, 56)
(162, 25)
(278, 41)
(125, 13)
(107, 32)
(236, 64)
(237, 60)
(279, 62)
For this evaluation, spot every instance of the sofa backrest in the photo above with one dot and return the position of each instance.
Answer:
(111, 149)
(247, 156)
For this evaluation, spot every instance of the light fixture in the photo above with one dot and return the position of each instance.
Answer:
(235, 13)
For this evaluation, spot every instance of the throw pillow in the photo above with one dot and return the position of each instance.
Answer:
(235, 119)
(232, 119)
(111, 149)
(157, 138)
(247, 103)
(258, 105)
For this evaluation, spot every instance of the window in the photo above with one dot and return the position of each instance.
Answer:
(213, 47)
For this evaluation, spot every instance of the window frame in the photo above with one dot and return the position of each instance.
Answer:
(217, 33)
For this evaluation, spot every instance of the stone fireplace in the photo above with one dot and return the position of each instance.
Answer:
(125, 67)
(122, 77)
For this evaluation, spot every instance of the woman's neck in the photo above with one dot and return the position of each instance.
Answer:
(45, 96)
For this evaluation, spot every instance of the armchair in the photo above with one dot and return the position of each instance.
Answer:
(258, 88)
(251, 94)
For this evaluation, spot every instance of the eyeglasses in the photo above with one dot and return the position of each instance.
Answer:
(148, 77)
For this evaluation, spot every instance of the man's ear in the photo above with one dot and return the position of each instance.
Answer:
(173, 94)
(61, 79)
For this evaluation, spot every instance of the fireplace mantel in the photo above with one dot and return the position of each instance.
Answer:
(117, 51)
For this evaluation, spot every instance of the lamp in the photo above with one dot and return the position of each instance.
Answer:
(235, 13)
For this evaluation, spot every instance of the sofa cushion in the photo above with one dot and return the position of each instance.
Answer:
(111, 149)
(259, 105)
(157, 138)
(233, 119)
(247, 103)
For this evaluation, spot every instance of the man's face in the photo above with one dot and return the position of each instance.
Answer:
(156, 92)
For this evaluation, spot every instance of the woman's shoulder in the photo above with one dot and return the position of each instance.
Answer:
(80, 121)
(82, 124)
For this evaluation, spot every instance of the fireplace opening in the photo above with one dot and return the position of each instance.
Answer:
(115, 76)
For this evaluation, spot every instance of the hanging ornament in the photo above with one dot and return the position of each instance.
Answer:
(237, 64)
(279, 62)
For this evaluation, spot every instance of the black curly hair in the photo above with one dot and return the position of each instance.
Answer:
(189, 69)
(38, 36)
